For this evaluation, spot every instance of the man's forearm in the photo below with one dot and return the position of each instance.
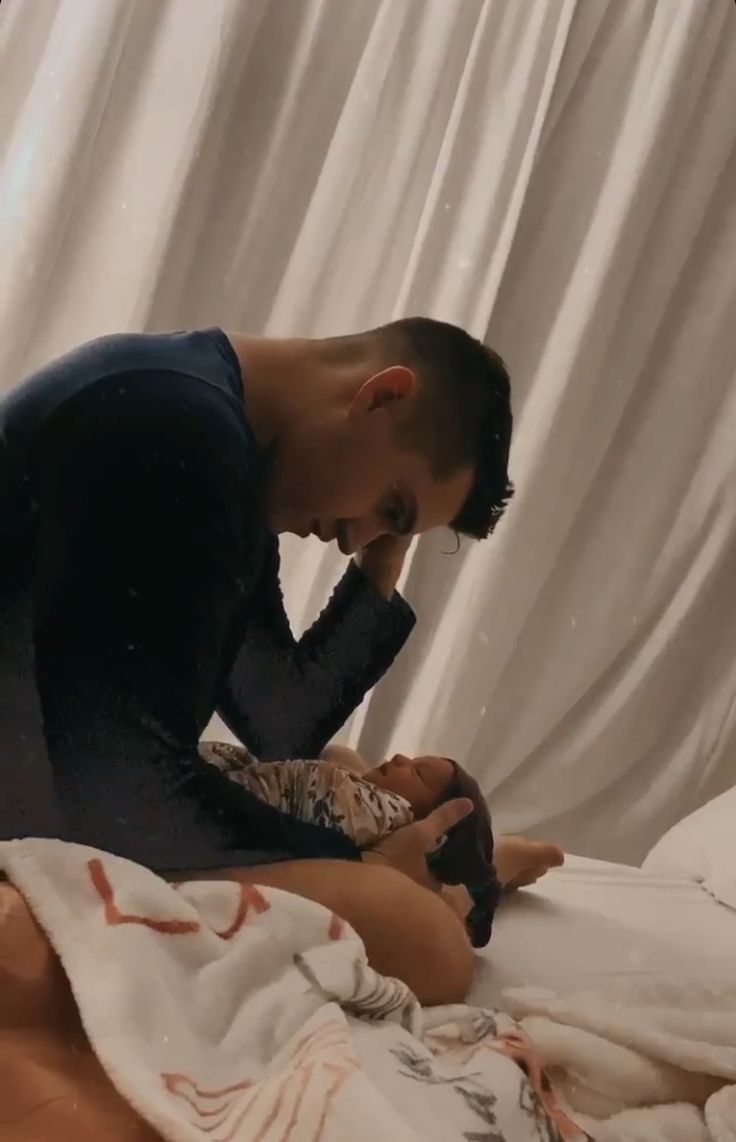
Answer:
(381, 562)
(286, 698)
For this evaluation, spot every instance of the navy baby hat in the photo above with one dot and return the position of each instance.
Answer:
(466, 857)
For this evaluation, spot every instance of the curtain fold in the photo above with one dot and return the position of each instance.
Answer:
(557, 175)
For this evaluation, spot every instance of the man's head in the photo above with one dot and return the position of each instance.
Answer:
(411, 430)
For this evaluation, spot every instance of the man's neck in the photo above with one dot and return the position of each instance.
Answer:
(269, 368)
(288, 380)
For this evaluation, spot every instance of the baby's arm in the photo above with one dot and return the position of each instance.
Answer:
(345, 758)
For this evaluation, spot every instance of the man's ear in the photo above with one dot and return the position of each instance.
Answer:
(395, 383)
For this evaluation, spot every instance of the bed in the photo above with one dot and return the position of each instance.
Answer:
(625, 978)
(604, 1008)
(594, 918)
(675, 914)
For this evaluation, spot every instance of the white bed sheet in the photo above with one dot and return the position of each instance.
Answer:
(592, 918)
(702, 847)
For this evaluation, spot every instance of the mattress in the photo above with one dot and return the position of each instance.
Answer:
(593, 918)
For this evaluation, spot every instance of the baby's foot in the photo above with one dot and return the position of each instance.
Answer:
(520, 862)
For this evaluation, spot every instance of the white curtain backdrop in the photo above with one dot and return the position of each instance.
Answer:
(557, 175)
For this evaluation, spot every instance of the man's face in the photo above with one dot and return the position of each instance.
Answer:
(347, 476)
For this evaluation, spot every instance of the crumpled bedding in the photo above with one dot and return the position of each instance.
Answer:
(639, 1057)
(224, 1011)
(52, 1085)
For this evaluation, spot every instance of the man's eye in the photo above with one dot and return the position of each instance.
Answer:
(396, 519)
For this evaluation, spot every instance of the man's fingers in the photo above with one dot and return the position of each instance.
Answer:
(442, 819)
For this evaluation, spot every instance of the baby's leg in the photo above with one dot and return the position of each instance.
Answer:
(409, 932)
(520, 862)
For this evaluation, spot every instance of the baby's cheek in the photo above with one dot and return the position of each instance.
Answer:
(420, 807)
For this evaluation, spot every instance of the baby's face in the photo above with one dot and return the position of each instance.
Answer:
(422, 781)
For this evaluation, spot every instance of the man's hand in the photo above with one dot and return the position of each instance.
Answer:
(407, 849)
(382, 560)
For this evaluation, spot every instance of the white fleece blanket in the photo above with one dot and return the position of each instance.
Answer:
(230, 1013)
(639, 1058)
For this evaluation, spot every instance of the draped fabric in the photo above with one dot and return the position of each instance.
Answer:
(559, 176)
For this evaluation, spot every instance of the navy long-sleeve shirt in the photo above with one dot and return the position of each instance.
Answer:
(139, 592)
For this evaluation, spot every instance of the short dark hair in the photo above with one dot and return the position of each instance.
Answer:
(463, 412)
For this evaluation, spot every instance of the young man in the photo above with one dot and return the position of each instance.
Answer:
(143, 482)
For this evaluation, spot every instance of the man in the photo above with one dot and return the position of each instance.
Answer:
(143, 482)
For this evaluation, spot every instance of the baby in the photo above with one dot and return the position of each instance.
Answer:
(340, 791)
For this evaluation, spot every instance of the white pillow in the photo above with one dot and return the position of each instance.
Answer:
(702, 847)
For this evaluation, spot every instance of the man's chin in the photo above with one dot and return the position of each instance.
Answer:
(342, 540)
(332, 533)
(317, 530)
(307, 533)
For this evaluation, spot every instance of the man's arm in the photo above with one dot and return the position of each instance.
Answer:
(286, 697)
(145, 553)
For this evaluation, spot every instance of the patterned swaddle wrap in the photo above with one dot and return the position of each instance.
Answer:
(318, 792)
